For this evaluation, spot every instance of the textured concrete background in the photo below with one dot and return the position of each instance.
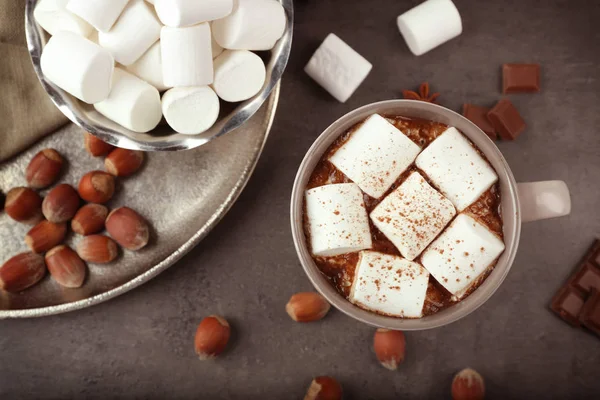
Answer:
(140, 345)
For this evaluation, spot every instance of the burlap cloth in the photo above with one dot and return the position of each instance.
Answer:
(26, 112)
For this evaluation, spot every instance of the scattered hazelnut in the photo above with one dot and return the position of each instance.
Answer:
(44, 168)
(45, 235)
(468, 385)
(97, 249)
(324, 388)
(128, 228)
(96, 146)
(22, 271)
(61, 203)
(212, 336)
(97, 187)
(24, 205)
(66, 267)
(389, 347)
(123, 162)
(89, 219)
(307, 307)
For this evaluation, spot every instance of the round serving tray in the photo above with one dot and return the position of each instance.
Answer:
(183, 195)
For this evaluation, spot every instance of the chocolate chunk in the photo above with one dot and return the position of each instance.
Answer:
(507, 121)
(520, 78)
(478, 116)
(585, 282)
(568, 304)
(587, 278)
(590, 313)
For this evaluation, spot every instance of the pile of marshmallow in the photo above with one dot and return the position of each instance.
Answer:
(430, 226)
(120, 54)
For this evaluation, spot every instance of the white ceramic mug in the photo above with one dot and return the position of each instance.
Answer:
(521, 202)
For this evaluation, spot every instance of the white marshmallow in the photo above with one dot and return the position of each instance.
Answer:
(135, 32)
(461, 254)
(150, 1)
(149, 67)
(253, 25)
(132, 103)
(375, 155)
(338, 68)
(178, 13)
(337, 220)
(456, 168)
(429, 24)
(190, 110)
(52, 15)
(186, 55)
(413, 215)
(101, 14)
(215, 47)
(389, 285)
(239, 75)
(78, 66)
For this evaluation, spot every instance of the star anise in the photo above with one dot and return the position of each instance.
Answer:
(423, 94)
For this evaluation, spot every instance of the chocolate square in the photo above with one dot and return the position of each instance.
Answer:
(507, 121)
(478, 116)
(590, 313)
(568, 304)
(520, 78)
(587, 278)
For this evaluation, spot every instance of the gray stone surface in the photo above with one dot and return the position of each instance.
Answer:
(140, 345)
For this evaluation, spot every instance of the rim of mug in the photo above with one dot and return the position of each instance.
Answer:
(450, 314)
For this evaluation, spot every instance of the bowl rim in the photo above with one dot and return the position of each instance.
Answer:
(511, 221)
(121, 137)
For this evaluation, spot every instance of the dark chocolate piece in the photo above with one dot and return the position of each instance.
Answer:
(569, 300)
(478, 116)
(590, 313)
(520, 78)
(568, 304)
(507, 121)
(586, 278)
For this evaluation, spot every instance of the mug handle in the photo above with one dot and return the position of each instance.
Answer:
(543, 200)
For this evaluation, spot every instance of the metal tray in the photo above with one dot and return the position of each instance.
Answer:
(183, 195)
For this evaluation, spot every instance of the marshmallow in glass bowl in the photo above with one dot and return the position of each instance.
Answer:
(193, 54)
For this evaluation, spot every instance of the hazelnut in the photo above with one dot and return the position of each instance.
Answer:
(324, 388)
(389, 347)
(97, 249)
(66, 267)
(61, 203)
(22, 271)
(97, 187)
(44, 168)
(468, 385)
(89, 219)
(45, 235)
(212, 336)
(307, 307)
(96, 146)
(24, 205)
(123, 162)
(128, 228)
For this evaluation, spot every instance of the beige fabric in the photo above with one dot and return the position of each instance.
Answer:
(26, 112)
